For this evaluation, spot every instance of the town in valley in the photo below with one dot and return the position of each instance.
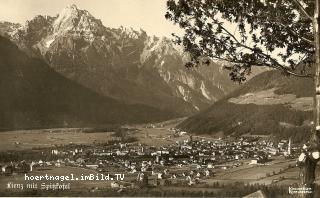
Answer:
(151, 155)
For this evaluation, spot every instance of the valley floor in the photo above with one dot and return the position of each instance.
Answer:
(60, 149)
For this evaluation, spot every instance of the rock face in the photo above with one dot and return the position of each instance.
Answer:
(33, 95)
(122, 63)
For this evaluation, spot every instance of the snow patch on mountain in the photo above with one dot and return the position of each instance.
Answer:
(184, 93)
(166, 75)
(48, 42)
(119, 57)
(204, 91)
(160, 47)
(80, 22)
(197, 108)
(66, 19)
(189, 80)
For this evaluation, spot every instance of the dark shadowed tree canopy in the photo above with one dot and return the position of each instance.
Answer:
(246, 33)
(280, 34)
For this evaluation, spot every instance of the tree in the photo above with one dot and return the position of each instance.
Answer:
(279, 34)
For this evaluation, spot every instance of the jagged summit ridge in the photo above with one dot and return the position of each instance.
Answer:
(123, 63)
(73, 19)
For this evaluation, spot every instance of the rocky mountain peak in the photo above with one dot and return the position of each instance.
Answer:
(123, 63)
(162, 47)
(72, 7)
(8, 28)
(38, 22)
(132, 33)
(72, 19)
(66, 18)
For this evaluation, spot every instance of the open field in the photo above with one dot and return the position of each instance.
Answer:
(252, 173)
(268, 97)
(257, 171)
(157, 136)
(20, 140)
(277, 172)
(27, 139)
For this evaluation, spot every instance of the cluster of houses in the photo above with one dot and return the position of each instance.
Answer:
(14, 168)
(183, 162)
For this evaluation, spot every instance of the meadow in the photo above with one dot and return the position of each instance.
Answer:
(28, 139)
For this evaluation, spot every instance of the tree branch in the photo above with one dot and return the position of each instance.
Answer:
(284, 69)
(301, 8)
(299, 75)
(293, 32)
(276, 64)
(307, 40)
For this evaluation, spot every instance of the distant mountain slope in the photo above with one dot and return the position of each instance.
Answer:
(33, 95)
(121, 63)
(269, 103)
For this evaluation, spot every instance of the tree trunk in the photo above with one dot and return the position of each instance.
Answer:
(317, 70)
(310, 156)
(307, 176)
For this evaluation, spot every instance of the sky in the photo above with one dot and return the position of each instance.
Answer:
(145, 14)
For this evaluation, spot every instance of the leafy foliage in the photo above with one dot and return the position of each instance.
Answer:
(246, 33)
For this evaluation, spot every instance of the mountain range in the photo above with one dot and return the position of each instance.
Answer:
(124, 64)
(33, 95)
(268, 104)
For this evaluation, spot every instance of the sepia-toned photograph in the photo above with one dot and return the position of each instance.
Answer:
(160, 98)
